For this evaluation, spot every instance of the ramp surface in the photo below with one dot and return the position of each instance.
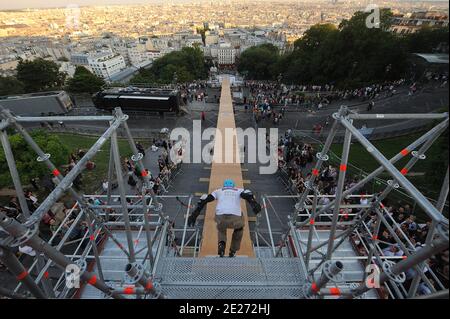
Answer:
(226, 165)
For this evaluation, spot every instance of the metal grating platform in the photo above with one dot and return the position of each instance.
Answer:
(236, 278)
(113, 263)
(353, 268)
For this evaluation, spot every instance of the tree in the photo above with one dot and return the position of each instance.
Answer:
(189, 64)
(315, 37)
(143, 77)
(25, 157)
(426, 39)
(84, 81)
(39, 75)
(10, 85)
(259, 62)
(351, 55)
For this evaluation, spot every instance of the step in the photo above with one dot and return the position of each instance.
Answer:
(230, 271)
(231, 278)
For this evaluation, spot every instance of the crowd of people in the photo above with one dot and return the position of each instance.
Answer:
(296, 161)
(294, 158)
(266, 93)
(196, 91)
(167, 167)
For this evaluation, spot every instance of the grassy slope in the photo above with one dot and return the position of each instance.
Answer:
(433, 166)
(92, 179)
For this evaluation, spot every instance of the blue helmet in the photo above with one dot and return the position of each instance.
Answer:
(229, 183)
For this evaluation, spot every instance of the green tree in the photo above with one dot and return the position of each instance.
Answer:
(10, 85)
(40, 75)
(315, 37)
(84, 81)
(426, 39)
(310, 52)
(189, 64)
(259, 62)
(348, 56)
(25, 157)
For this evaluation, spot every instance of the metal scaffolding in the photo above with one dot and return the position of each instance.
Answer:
(102, 223)
(309, 216)
(131, 249)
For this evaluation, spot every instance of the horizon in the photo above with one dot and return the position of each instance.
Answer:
(53, 4)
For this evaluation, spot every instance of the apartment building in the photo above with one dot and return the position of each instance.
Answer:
(106, 67)
(226, 54)
(413, 22)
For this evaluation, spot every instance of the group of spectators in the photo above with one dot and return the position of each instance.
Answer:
(265, 93)
(296, 161)
(269, 101)
(438, 79)
(294, 158)
(167, 167)
(196, 91)
(58, 218)
(267, 114)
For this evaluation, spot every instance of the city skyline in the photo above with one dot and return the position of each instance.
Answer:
(30, 4)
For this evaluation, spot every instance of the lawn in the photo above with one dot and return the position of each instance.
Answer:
(92, 180)
(427, 175)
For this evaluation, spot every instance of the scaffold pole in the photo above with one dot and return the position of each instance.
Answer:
(19, 271)
(29, 237)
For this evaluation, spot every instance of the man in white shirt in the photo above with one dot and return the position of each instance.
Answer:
(228, 213)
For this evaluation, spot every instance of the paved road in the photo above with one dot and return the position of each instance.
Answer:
(428, 100)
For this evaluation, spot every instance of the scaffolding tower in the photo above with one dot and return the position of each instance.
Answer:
(132, 249)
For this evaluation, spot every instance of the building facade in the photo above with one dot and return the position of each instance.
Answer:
(226, 54)
(106, 67)
(412, 23)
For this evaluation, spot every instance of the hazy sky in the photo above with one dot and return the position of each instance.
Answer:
(19, 4)
(16, 4)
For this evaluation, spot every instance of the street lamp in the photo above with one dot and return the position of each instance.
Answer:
(279, 78)
(175, 79)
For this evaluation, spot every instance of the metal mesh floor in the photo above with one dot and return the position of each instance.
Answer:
(235, 278)
(353, 268)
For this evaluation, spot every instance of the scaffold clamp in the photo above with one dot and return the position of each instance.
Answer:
(43, 158)
(31, 231)
(300, 207)
(387, 268)
(322, 157)
(306, 291)
(393, 184)
(157, 208)
(137, 157)
(134, 273)
(417, 155)
(310, 185)
(326, 270)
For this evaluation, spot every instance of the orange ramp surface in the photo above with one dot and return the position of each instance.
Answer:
(221, 171)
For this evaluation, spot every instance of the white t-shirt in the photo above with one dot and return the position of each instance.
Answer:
(228, 201)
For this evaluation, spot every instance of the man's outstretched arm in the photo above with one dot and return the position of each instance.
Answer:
(250, 198)
(205, 199)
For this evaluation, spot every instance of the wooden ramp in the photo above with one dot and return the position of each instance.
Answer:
(224, 166)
